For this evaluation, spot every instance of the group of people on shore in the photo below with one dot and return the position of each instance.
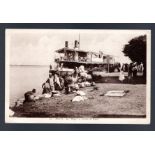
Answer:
(69, 82)
(134, 69)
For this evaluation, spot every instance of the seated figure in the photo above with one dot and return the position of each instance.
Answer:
(30, 96)
(46, 88)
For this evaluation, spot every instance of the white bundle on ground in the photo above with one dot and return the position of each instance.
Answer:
(47, 95)
(81, 93)
(115, 93)
(87, 84)
(77, 99)
(56, 95)
(80, 96)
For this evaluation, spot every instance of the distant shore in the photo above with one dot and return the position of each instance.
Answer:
(30, 65)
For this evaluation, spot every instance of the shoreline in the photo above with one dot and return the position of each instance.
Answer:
(131, 105)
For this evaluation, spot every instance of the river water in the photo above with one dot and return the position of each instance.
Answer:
(25, 78)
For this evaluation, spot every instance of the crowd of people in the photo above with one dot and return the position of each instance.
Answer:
(133, 69)
(56, 82)
(72, 82)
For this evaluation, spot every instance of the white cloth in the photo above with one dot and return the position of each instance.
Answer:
(79, 98)
(121, 76)
(81, 93)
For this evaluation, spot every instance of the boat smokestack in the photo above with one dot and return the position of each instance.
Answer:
(66, 44)
(76, 45)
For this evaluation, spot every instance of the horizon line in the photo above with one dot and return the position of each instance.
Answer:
(27, 65)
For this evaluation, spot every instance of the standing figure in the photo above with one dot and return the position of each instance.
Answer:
(50, 80)
(121, 76)
(134, 70)
(61, 82)
(76, 71)
(130, 73)
(123, 68)
(68, 83)
(82, 73)
(57, 82)
(140, 69)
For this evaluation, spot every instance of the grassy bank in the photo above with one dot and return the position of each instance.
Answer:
(133, 104)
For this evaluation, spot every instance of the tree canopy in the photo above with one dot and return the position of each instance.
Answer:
(136, 49)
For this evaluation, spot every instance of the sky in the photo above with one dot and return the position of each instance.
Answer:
(37, 47)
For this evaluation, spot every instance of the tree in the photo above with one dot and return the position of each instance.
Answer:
(136, 50)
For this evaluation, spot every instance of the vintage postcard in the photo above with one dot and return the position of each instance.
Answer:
(95, 76)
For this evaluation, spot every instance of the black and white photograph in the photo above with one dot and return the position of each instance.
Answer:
(95, 76)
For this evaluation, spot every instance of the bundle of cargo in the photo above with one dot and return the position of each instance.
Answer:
(116, 93)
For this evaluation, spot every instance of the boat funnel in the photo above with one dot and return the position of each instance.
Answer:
(76, 45)
(66, 44)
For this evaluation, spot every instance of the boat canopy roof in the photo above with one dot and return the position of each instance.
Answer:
(62, 50)
(81, 62)
(73, 50)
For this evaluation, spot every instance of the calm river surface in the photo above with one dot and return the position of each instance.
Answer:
(25, 78)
